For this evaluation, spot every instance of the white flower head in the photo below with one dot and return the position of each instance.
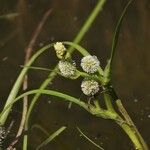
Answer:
(89, 87)
(90, 64)
(67, 69)
(60, 49)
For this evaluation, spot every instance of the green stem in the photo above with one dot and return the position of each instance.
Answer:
(108, 102)
(85, 75)
(129, 127)
(132, 135)
(97, 111)
(97, 104)
(18, 83)
(131, 123)
(88, 23)
(47, 92)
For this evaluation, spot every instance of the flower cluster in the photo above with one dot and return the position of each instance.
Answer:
(89, 64)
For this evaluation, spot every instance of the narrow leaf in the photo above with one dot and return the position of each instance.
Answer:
(18, 83)
(108, 68)
(117, 30)
(64, 97)
(51, 137)
(89, 139)
(38, 68)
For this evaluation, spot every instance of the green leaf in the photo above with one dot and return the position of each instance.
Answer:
(51, 137)
(18, 83)
(89, 139)
(117, 31)
(37, 68)
(108, 68)
(64, 97)
(88, 23)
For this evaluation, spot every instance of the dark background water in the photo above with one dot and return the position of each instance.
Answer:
(130, 75)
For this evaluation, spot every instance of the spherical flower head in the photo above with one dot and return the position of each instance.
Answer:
(89, 87)
(90, 64)
(67, 69)
(60, 49)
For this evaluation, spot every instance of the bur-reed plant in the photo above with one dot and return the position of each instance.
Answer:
(94, 76)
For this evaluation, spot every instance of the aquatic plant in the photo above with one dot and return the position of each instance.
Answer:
(94, 77)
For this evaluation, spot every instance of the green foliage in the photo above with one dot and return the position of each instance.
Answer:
(91, 141)
(108, 68)
(103, 77)
(51, 137)
(18, 83)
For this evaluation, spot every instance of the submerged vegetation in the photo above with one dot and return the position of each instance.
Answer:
(96, 86)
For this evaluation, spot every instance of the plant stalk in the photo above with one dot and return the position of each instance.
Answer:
(131, 134)
(77, 39)
(126, 124)
(131, 123)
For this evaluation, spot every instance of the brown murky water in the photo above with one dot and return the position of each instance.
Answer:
(131, 67)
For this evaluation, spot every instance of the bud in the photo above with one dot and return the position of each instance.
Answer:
(60, 49)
